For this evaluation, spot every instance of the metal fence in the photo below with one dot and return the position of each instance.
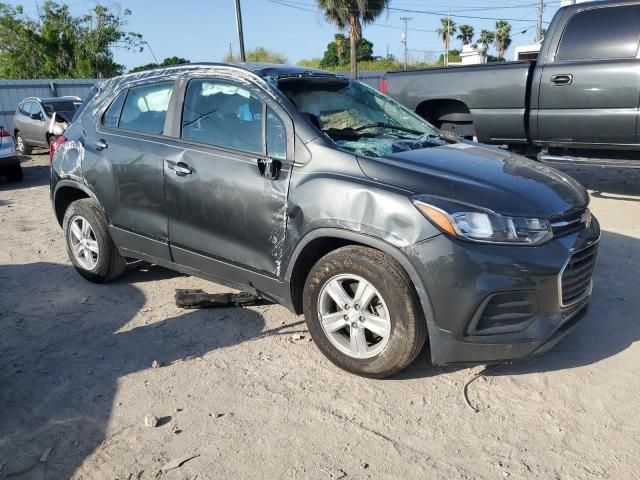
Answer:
(13, 91)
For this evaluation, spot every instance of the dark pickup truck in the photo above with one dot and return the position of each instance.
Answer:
(579, 99)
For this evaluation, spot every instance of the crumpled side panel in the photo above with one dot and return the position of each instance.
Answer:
(67, 161)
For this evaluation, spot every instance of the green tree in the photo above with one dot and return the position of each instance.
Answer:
(447, 29)
(352, 14)
(503, 37)
(466, 34)
(167, 62)
(259, 55)
(57, 44)
(333, 58)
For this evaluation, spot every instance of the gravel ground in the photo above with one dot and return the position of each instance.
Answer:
(240, 392)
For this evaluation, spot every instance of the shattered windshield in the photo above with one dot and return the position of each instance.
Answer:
(357, 117)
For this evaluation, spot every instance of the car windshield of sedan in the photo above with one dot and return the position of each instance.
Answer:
(61, 106)
(358, 118)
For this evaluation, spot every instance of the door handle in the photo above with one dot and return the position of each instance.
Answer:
(562, 79)
(181, 169)
(101, 144)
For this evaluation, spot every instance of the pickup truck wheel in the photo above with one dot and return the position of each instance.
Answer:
(14, 174)
(21, 146)
(89, 244)
(362, 312)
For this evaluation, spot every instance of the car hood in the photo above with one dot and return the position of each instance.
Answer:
(480, 175)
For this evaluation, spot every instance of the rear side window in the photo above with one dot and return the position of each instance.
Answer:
(145, 108)
(112, 115)
(601, 33)
(223, 114)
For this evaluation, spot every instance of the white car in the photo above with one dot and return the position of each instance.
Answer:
(9, 160)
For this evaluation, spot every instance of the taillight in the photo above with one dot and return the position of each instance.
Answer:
(383, 86)
(53, 146)
(4, 132)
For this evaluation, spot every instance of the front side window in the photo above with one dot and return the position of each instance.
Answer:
(145, 108)
(276, 136)
(223, 114)
(589, 37)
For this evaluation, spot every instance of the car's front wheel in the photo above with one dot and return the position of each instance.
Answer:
(362, 312)
(89, 244)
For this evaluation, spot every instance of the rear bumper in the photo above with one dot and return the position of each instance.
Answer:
(478, 294)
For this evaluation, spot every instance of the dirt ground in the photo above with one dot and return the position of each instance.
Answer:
(237, 393)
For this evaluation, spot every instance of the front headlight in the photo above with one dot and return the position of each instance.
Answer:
(480, 225)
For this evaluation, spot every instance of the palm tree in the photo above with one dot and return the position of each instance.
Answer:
(448, 28)
(503, 37)
(466, 34)
(352, 14)
(486, 37)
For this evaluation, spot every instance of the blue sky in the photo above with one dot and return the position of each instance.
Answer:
(201, 30)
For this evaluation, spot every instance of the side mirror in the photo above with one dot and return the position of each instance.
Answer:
(36, 116)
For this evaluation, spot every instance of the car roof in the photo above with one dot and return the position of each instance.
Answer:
(260, 69)
(51, 99)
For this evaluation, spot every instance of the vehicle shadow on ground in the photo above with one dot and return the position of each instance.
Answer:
(64, 344)
(34, 175)
(605, 180)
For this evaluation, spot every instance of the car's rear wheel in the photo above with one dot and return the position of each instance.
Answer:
(362, 312)
(14, 174)
(21, 146)
(89, 244)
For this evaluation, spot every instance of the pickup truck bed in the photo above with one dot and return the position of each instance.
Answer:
(493, 97)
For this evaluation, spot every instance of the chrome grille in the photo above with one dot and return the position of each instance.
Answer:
(568, 223)
(576, 276)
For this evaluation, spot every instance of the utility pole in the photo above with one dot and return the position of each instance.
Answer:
(240, 35)
(404, 39)
(230, 52)
(539, 20)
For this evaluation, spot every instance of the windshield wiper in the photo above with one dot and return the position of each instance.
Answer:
(389, 126)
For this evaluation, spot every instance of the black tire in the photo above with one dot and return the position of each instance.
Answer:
(110, 264)
(14, 174)
(408, 325)
(24, 149)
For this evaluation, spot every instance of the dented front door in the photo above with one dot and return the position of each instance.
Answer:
(225, 209)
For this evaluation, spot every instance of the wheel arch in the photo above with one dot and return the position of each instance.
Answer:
(65, 193)
(319, 242)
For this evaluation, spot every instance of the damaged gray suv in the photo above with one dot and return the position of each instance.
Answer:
(319, 193)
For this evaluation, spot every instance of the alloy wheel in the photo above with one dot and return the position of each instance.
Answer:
(354, 316)
(84, 244)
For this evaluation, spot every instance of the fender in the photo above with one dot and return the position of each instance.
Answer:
(372, 242)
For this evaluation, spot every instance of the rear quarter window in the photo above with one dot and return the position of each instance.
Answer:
(601, 33)
(112, 115)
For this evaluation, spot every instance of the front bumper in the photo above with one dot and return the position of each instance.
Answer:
(464, 280)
